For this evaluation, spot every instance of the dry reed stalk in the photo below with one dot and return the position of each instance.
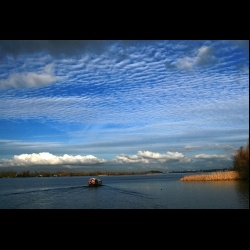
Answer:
(215, 176)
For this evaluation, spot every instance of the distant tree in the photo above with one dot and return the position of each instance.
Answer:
(5, 174)
(23, 174)
(241, 162)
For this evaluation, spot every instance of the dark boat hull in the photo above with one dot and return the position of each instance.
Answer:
(95, 185)
(94, 182)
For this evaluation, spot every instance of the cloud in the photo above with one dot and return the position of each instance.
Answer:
(30, 79)
(149, 157)
(122, 100)
(244, 44)
(46, 158)
(244, 69)
(212, 156)
(53, 47)
(190, 147)
(203, 56)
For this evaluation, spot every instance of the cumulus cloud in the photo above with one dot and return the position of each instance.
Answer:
(46, 158)
(149, 157)
(30, 79)
(71, 161)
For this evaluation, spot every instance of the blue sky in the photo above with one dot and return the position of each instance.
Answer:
(123, 105)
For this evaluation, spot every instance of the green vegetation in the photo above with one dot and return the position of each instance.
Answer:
(14, 174)
(241, 162)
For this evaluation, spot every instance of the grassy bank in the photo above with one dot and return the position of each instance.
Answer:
(216, 176)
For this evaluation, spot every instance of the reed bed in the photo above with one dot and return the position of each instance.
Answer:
(215, 176)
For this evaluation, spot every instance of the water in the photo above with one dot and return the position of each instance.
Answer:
(159, 191)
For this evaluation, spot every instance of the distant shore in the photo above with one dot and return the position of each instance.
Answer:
(215, 176)
(27, 173)
(14, 174)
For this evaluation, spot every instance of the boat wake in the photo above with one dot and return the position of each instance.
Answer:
(134, 193)
(26, 191)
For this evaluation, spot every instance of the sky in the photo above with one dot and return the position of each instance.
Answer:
(122, 105)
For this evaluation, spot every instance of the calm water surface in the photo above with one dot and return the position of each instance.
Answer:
(159, 191)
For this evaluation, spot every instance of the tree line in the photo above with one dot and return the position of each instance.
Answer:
(241, 162)
(26, 173)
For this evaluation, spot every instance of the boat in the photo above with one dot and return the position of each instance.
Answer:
(94, 182)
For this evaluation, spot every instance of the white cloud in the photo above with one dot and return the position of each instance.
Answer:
(149, 157)
(204, 56)
(46, 158)
(212, 156)
(190, 147)
(185, 63)
(30, 79)
(124, 100)
(70, 161)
